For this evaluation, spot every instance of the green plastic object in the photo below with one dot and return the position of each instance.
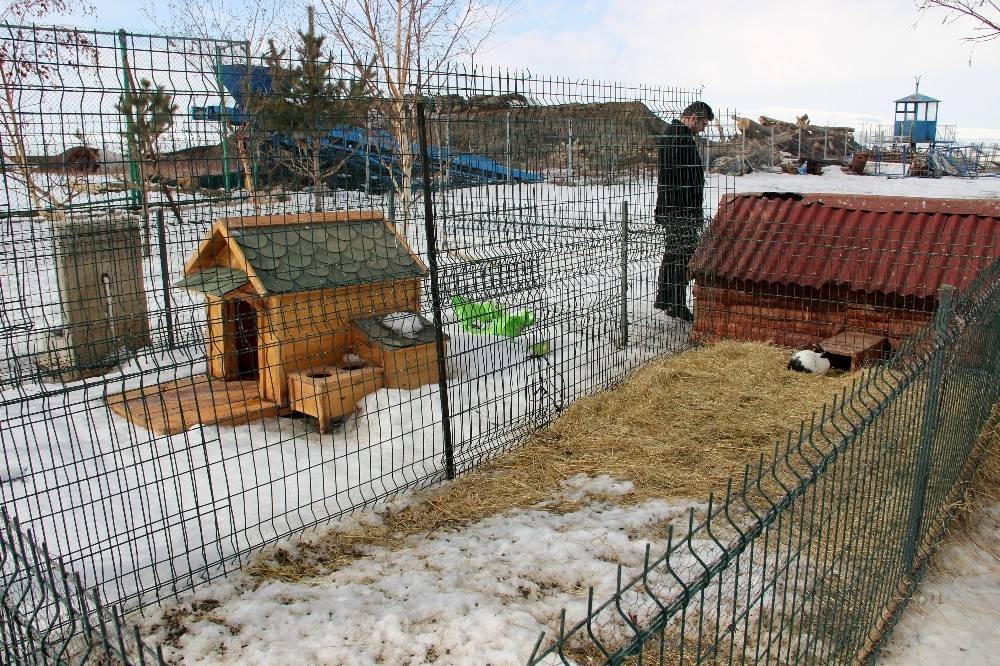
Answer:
(540, 348)
(490, 317)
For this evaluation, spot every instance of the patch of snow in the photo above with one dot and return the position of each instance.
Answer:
(406, 324)
(479, 595)
(954, 616)
(834, 180)
(137, 511)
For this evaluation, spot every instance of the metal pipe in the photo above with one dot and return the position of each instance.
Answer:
(161, 233)
(432, 265)
(932, 406)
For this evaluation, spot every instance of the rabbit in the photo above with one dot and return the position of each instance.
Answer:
(815, 360)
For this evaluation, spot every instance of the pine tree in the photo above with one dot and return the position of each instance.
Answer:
(305, 103)
(149, 112)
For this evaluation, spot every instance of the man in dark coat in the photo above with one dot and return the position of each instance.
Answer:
(679, 195)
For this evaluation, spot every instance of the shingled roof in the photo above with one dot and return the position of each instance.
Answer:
(308, 256)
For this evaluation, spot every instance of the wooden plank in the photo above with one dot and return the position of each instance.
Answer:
(407, 368)
(850, 342)
(205, 255)
(301, 218)
(176, 406)
(219, 347)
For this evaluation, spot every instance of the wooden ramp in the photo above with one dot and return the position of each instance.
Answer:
(176, 406)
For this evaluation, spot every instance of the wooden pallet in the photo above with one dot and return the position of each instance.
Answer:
(179, 405)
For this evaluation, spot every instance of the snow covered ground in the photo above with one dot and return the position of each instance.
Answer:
(476, 596)
(482, 594)
(135, 512)
(954, 616)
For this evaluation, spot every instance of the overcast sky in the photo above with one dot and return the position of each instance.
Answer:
(840, 60)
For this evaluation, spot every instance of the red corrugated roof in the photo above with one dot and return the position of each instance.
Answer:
(907, 246)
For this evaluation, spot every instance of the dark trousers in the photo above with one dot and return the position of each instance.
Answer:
(672, 279)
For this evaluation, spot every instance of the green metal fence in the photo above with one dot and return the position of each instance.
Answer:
(48, 616)
(811, 555)
(791, 565)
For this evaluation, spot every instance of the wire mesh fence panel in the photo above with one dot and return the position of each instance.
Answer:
(48, 617)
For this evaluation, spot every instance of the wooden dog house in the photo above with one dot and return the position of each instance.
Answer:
(293, 300)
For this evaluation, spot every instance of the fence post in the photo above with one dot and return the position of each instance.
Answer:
(932, 404)
(368, 156)
(624, 276)
(995, 361)
(432, 265)
(161, 233)
(224, 125)
(135, 195)
(569, 151)
(508, 152)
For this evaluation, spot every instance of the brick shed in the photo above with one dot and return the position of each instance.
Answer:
(795, 269)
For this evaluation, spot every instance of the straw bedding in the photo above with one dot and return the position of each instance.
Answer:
(680, 427)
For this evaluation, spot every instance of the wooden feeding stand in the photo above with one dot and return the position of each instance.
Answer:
(408, 359)
(331, 393)
(283, 296)
(852, 350)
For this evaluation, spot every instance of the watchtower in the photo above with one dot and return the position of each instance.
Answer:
(916, 118)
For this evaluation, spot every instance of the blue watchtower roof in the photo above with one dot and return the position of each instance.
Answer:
(917, 97)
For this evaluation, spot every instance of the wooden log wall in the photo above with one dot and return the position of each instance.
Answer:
(801, 318)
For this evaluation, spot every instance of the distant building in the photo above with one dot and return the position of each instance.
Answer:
(916, 118)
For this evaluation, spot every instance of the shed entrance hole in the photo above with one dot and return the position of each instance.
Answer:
(242, 327)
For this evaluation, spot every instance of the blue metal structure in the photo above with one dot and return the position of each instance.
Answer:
(370, 158)
(916, 117)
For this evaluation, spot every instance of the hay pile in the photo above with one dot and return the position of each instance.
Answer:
(679, 428)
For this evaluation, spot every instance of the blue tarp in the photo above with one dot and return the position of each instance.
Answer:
(355, 146)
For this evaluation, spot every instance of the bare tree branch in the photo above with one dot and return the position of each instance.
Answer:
(27, 64)
(406, 39)
(984, 14)
(255, 22)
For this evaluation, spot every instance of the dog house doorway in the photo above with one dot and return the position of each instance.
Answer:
(240, 327)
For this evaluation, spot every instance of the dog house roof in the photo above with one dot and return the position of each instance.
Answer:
(908, 246)
(289, 258)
